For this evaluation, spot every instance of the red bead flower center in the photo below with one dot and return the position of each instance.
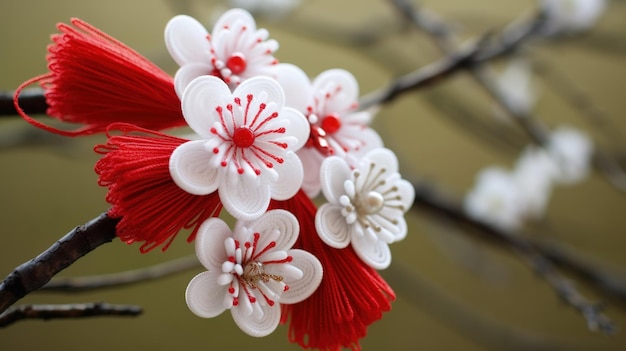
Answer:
(243, 137)
(236, 63)
(331, 123)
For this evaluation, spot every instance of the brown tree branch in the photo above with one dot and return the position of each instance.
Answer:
(31, 100)
(35, 273)
(46, 312)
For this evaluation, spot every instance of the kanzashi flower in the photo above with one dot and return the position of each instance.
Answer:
(337, 128)
(234, 51)
(365, 206)
(247, 147)
(251, 271)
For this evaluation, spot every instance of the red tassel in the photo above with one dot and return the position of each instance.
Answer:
(351, 296)
(95, 80)
(152, 207)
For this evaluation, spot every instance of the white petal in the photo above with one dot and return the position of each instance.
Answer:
(375, 254)
(191, 170)
(289, 181)
(284, 222)
(298, 127)
(331, 226)
(210, 243)
(401, 229)
(305, 286)
(333, 174)
(189, 72)
(243, 197)
(260, 326)
(311, 161)
(185, 39)
(407, 193)
(383, 158)
(199, 101)
(204, 296)
(333, 78)
(296, 84)
(228, 18)
(259, 84)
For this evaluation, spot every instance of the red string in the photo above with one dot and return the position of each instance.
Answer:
(351, 296)
(96, 80)
(135, 168)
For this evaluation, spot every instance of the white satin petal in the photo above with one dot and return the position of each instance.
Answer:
(191, 170)
(375, 254)
(303, 287)
(259, 325)
(296, 85)
(185, 39)
(283, 222)
(243, 197)
(204, 296)
(209, 243)
(331, 226)
(333, 174)
(199, 101)
(289, 181)
(348, 93)
(189, 72)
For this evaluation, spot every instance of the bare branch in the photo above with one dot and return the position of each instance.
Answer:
(35, 273)
(45, 312)
(31, 100)
(80, 284)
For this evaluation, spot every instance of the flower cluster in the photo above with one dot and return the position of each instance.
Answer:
(267, 141)
(506, 199)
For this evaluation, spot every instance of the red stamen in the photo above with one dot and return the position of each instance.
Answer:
(236, 63)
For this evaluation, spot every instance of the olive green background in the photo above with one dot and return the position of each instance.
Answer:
(461, 294)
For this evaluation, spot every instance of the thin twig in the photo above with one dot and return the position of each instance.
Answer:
(70, 311)
(518, 35)
(87, 283)
(35, 273)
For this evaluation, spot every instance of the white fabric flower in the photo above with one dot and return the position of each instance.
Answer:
(247, 150)
(234, 51)
(251, 271)
(571, 16)
(329, 103)
(365, 206)
(496, 199)
(571, 150)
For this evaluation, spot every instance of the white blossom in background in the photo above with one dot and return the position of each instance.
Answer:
(571, 16)
(571, 151)
(234, 51)
(271, 9)
(330, 104)
(247, 150)
(251, 271)
(365, 207)
(517, 86)
(534, 175)
(496, 199)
